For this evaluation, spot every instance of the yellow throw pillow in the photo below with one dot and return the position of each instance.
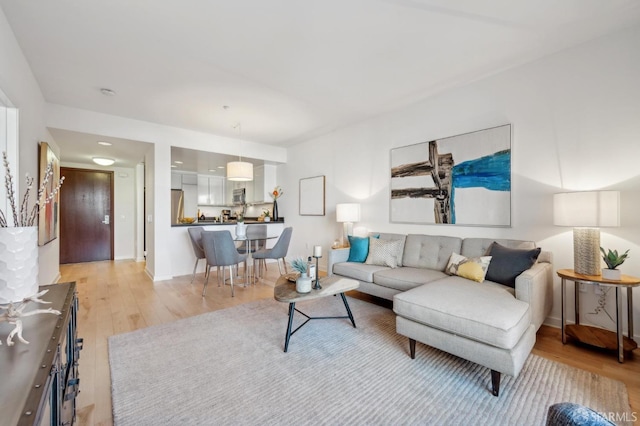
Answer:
(471, 268)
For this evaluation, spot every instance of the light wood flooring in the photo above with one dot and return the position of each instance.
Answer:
(117, 297)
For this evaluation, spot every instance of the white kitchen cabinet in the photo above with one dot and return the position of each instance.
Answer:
(176, 180)
(190, 197)
(211, 190)
(264, 181)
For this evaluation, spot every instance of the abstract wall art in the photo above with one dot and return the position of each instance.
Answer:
(459, 180)
(48, 215)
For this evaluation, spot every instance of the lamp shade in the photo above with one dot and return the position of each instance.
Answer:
(239, 171)
(348, 212)
(589, 208)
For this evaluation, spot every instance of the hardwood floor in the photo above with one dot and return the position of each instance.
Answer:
(117, 297)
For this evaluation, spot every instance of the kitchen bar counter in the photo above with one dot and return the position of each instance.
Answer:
(231, 222)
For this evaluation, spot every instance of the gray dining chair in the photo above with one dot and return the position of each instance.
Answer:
(221, 252)
(279, 251)
(195, 235)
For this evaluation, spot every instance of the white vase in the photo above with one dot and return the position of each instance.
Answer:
(241, 230)
(303, 284)
(18, 263)
(611, 274)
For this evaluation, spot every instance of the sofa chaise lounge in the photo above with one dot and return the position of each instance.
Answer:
(490, 323)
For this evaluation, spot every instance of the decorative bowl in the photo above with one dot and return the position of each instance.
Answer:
(187, 220)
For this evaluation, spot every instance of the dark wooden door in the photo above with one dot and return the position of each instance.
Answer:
(86, 216)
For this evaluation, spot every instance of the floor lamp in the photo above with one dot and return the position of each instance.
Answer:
(347, 213)
(586, 212)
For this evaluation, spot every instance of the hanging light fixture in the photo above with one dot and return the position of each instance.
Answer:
(241, 171)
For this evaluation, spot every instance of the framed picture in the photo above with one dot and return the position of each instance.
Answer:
(48, 214)
(312, 196)
(459, 180)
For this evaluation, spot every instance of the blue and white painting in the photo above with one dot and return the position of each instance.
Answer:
(461, 180)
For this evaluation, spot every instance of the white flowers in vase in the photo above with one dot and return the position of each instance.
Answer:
(24, 216)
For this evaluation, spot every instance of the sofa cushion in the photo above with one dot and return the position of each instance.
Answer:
(358, 248)
(472, 268)
(405, 278)
(429, 251)
(485, 312)
(393, 237)
(507, 263)
(357, 271)
(383, 252)
(474, 247)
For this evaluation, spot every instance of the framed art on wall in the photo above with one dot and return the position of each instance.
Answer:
(459, 180)
(312, 196)
(48, 214)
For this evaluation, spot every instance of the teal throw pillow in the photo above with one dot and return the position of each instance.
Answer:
(359, 249)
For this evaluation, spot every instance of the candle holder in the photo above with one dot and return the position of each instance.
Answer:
(316, 282)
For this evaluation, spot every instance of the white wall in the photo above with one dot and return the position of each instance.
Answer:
(124, 206)
(20, 86)
(576, 126)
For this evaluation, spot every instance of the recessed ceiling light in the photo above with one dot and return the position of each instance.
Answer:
(103, 161)
(104, 143)
(221, 167)
(212, 170)
(107, 92)
(178, 162)
(173, 166)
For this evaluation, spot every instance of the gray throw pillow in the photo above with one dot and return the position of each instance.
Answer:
(383, 252)
(506, 263)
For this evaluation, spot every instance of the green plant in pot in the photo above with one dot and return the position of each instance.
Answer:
(303, 283)
(613, 259)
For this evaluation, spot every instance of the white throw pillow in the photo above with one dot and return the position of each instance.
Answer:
(383, 252)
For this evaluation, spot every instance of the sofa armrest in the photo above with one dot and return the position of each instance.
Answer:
(535, 286)
(336, 256)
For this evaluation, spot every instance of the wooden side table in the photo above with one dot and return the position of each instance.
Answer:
(595, 336)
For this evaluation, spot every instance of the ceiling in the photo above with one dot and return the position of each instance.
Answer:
(286, 69)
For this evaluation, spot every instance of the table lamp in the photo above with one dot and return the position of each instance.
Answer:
(347, 213)
(586, 212)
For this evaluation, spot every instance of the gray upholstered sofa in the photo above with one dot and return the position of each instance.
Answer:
(489, 323)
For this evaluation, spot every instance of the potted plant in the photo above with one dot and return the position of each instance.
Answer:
(241, 228)
(613, 260)
(267, 215)
(303, 283)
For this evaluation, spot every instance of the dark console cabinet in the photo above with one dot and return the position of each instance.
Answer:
(39, 381)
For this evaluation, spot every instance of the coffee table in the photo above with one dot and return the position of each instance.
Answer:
(285, 291)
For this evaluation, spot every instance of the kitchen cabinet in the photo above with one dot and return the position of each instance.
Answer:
(264, 180)
(176, 180)
(212, 190)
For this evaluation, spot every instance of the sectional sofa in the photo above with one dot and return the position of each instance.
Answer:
(489, 322)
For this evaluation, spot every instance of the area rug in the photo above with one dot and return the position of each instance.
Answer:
(228, 367)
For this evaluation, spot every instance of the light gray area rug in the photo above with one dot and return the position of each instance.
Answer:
(228, 367)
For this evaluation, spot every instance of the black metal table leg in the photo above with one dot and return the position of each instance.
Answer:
(292, 310)
(346, 305)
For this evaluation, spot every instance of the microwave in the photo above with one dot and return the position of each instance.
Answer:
(239, 196)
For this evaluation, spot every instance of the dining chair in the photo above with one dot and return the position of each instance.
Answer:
(220, 247)
(195, 235)
(279, 251)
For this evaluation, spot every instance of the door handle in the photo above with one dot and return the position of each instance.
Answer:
(106, 219)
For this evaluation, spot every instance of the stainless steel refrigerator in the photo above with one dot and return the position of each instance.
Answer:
(177, 206)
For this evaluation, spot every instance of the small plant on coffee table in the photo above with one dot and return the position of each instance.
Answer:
(299, 265)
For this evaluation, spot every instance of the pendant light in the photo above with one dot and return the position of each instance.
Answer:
(240, 171)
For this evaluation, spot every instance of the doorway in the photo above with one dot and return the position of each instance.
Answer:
(86, 215)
